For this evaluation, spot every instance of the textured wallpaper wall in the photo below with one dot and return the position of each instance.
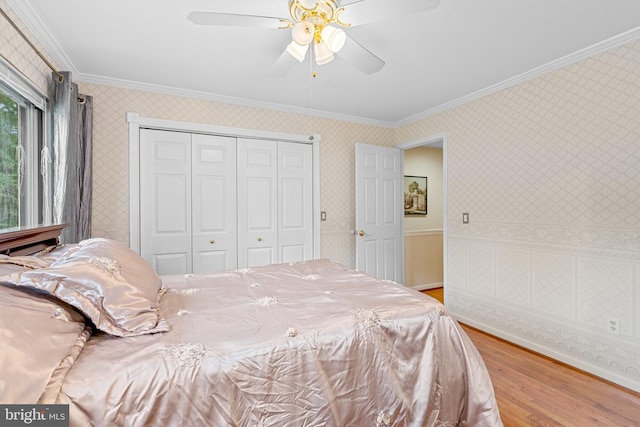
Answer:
(549, 171)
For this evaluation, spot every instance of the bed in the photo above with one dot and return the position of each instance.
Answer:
(90, 325)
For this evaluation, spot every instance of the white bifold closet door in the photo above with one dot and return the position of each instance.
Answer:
(295, 202)
(187, 201)
(210, 203)
(213, 192)
(274, 202)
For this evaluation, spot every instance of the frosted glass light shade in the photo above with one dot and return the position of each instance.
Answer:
(302, 33)
(323, 54)
(307, 4)
(297, 51)
(324, 9)
(334, 38)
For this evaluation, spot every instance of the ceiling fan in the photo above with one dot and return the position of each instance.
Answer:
(320, 23)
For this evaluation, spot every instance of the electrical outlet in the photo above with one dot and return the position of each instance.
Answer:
(613, 326)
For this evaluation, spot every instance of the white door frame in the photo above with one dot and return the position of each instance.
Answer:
(427, 141)
(136, 122)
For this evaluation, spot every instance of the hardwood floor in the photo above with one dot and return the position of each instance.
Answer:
(533, 390)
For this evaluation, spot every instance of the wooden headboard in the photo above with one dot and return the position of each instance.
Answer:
(29, 240)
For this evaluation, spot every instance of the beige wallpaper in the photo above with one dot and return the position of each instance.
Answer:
(549, 171)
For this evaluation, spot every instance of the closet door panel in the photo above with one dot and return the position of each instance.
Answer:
(257, 256)
(257, 202)
(165, 200)
(214, 246)
(295, 191)
(214, 203)
(173, 263)
(211, 203)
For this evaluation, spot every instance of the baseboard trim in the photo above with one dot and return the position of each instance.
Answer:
(427, 286)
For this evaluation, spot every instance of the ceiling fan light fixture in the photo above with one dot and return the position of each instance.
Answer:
(297, 51)
(334, 38)
(302, 33)
(307, 4)
(323, 53)
(326, 9)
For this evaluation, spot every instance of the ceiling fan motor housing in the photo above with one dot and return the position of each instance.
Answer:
(313, 21)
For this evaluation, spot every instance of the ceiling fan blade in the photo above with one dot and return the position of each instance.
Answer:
(365, 12)
(282, 66)
(359, 56)
(348, 2)
(233, 20)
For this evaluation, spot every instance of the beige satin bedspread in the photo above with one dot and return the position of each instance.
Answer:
(306, 344)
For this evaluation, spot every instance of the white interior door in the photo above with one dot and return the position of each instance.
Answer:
(295, 202)
(214, 203)
(165, 200)
(379, 212)
(257, 202)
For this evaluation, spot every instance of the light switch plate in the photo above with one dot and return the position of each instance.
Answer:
(465, 217)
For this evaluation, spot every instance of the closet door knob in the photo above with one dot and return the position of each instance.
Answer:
(259, 239)
(212, 241)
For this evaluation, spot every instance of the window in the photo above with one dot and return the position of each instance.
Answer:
(21, 141)
(9, 163)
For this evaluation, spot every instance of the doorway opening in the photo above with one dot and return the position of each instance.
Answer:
(425, 236)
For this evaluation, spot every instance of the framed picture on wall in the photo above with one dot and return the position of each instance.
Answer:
(415, 195)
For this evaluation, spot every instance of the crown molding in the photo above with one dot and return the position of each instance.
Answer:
(207, 96)
(35, 25)
(567, 60)
(588, 52)
(59, 57)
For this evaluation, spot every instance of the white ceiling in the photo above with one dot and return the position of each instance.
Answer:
(434, 58)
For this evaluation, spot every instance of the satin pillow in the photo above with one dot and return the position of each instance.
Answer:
(112, 285)
(37, 332)
(54, 253)
(9, 264)
(40, 259)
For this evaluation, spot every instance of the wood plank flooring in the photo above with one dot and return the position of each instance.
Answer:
(533, 390)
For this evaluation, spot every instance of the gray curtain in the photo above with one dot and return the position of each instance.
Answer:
(71, 154)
